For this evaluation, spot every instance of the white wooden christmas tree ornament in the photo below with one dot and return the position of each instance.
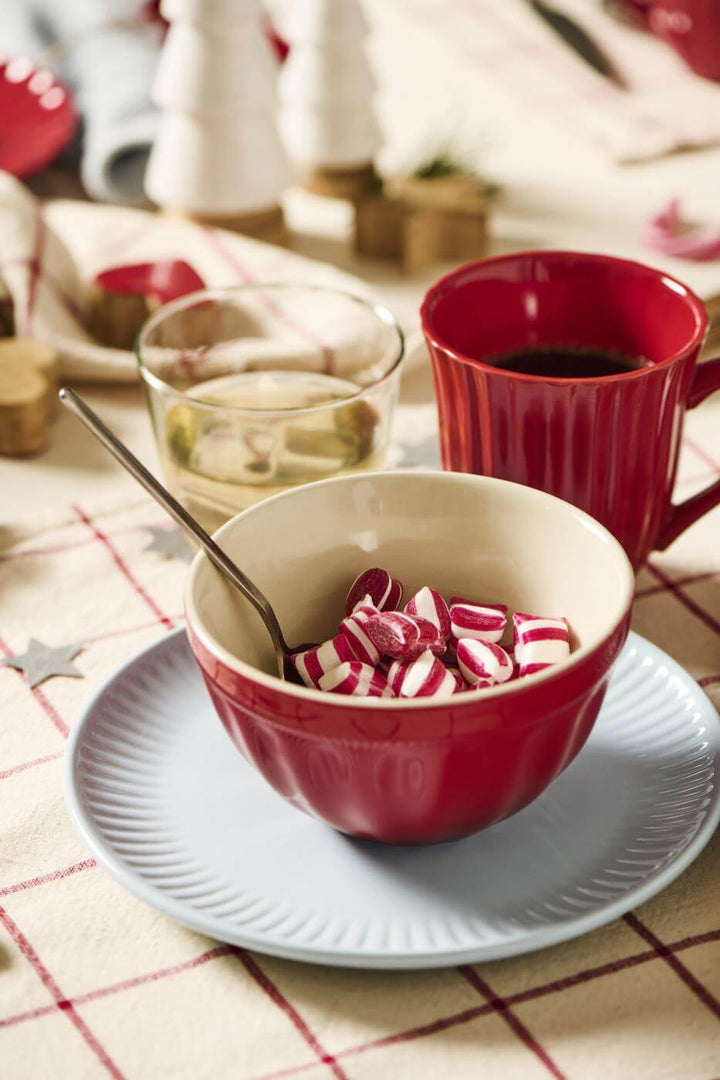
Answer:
(326, 87)
(218, 156)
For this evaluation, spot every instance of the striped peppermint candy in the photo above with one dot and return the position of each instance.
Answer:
(429, 604)
(540, 641)
(384, 591)
(403, 637)
(354, 630)
(355, 679)
(424, 677)
(483, 661)
(483, 622)
(460, 683)
(365, 601)
(312, 664)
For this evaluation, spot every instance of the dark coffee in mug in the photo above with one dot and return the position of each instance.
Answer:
(566, 362)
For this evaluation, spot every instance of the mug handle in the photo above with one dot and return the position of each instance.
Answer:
(685, 514)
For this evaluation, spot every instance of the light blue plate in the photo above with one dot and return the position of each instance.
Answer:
(172, 810)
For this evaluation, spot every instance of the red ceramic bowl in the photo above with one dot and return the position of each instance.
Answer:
(413, 771)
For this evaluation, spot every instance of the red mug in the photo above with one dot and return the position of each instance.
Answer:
(609, 444)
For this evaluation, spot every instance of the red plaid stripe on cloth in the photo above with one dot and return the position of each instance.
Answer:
(95, 983)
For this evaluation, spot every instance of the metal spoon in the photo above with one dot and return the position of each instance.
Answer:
(220, 560)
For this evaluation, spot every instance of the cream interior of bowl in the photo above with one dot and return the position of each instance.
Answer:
(484, 539)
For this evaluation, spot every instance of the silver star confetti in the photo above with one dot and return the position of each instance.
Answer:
(169, 543)
(40, 662)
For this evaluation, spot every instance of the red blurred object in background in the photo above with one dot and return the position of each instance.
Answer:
(39, 118)
(162, 281)
(692, 27)
(279, 44)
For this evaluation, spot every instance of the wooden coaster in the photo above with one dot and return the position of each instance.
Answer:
(28, 395)
(352, 183)
(267, 225)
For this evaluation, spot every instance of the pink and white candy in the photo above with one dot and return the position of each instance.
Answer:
(424, 677)
(312, 664)
(354, 629)
(356, 680)
(540, 641)
(384, 591)
(483, 662)
(403, 636)
(365, 601)
(460, 683)
(484, 623)
(429, 604)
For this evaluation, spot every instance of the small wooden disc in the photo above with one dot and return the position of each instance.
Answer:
(36, 354)
(28, 383)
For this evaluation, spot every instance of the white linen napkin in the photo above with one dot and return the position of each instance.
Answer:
(51, 253)
(665, 107)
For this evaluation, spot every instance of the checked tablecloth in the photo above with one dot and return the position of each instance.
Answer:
(93, 983)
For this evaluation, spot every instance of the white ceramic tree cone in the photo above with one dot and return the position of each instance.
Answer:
(319, 20)
(212, 69)
(315, 76)
(222, 12)
(210, 166)
(331, 138)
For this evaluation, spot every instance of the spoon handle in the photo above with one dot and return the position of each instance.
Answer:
(187, 523)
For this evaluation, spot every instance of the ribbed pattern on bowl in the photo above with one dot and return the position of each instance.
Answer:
(166, 802)
(401, 791)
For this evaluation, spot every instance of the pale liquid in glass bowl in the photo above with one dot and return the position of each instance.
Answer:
(219, 462)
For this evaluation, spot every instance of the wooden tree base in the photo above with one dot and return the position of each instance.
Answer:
(28, 395)
(352, 183)
(379, 227)
(417, 223)
(267, 225)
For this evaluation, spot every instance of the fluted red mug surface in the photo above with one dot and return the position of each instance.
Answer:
(608, 444)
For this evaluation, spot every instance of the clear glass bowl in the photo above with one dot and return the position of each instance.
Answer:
(256, 389)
